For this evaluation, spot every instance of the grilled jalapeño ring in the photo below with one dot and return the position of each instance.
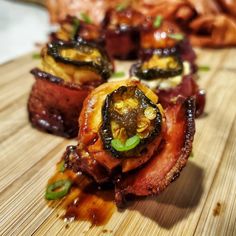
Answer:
(158, 66)
(81, 54)
(130, 122)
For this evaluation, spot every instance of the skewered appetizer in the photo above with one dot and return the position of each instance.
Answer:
(68, 72)
(128, 139)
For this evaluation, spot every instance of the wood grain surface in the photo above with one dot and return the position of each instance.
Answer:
(200, 202)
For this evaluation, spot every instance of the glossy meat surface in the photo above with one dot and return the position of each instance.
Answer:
(54, 105)
(187, 88)
(165, 166)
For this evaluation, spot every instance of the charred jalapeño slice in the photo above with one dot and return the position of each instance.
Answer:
(130, 122)
(158, 66)
(81, 55)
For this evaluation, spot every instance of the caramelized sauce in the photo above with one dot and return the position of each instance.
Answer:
(217, 209)
(86, 200)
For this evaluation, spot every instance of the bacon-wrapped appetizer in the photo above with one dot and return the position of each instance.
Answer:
(167, 63)
(169, 77)
(126, 138)
(159, 36)
(76, 29)
(122, 32)
(68, 72)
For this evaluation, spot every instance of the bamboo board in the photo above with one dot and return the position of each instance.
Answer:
(200, 202)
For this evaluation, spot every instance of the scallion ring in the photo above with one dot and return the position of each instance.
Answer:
(63, 187)
(158, 21)
(62, 166)
(130, 144)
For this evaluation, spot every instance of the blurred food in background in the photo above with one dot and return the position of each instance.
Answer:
(209, 23)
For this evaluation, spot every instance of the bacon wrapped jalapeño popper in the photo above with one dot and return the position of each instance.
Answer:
(158, 35)
(169, 77)
(126, 138)
(167, 64)
(68, 72)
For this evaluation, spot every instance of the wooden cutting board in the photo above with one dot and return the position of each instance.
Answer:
(200, 202)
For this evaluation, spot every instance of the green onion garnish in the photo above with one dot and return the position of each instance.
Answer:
(117, 145)
(129, 144)
(61, 166)
(157, 22)
(120, 7)
(118, 74)
(75, 26)
(36, 55)
(58, 189)
(86, 18)
(203, 68)
(176, 36)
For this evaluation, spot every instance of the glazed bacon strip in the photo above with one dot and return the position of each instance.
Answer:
(167, 163)
(54, 105)
(188, 88)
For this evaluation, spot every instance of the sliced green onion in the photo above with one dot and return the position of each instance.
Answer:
(132, 142)
(63, 187)
(203, 68)
(117, 145)
(157, 22)
(76, 23)
(129, 144)
(62, 166)
(86, 18)
(176, 36)
(120, 7)
(36, 55)
(118, 74)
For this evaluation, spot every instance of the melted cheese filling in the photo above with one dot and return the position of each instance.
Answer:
(171, 82)
(69, 73)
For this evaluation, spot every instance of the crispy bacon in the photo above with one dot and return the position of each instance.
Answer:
(209, 23)
(77, 161)
(54, 105)
(187, 88)
(213, 31)
(167, 163)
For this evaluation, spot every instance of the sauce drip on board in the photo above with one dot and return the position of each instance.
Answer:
(86, 200)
